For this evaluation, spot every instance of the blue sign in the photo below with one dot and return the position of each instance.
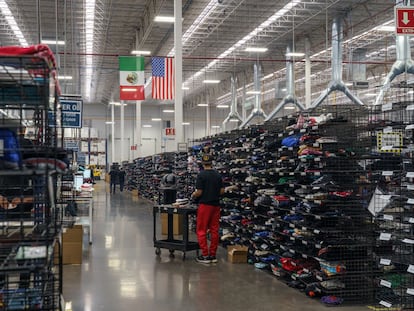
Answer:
(71, 112)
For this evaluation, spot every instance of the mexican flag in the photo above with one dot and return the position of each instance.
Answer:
(131, 78)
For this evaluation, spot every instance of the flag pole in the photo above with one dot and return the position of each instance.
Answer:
(178, 70)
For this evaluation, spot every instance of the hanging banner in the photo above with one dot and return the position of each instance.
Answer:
(71, 113)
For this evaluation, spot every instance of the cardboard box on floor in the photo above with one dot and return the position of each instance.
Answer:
(237, 253)
(72, 242)
(177, 224)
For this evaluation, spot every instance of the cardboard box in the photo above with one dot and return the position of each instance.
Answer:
(177, 224)
(72, 245)
(134, 192)
(237, 253)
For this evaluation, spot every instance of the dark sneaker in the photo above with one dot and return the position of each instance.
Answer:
(203, 259)
(213, 259)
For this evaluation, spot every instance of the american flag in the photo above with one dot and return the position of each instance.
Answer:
(162, 78)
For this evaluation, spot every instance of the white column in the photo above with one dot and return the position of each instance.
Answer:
(112, 133)
(122, 132)
(308, 94)
(208, 119)
(178, 71)
(138, 128)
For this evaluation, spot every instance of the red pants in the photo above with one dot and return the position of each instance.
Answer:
(208, 219)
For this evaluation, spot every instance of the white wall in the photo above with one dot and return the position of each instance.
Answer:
(153, 139)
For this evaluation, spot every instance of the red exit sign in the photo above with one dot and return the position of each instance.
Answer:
(404, 20)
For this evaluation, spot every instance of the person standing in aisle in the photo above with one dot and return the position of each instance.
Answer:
(121, 176)
(113, 178)
(209, 188)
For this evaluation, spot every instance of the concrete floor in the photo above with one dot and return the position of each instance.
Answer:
(120, 271)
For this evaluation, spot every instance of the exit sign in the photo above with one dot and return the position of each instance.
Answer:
(404, 20)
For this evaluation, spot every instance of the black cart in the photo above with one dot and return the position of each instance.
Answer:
(170, 243)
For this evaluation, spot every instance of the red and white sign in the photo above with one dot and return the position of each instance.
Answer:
(404, 20)
(170, 131)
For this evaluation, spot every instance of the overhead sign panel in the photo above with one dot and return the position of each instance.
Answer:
(71, 112)
(404, 20)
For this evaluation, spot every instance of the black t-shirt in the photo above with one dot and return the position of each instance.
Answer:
(210, 182)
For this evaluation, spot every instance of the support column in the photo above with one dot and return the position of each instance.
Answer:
(138, 128)
(208, 119)
(178, 70)
(112, 133)
(122, 132)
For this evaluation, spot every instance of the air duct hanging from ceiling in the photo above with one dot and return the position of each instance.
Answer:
(336, 83)
(290, 97)
(403, 62)
(234, 114)
(257, 109)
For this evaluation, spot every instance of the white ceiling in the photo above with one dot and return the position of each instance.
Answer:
(123, 25)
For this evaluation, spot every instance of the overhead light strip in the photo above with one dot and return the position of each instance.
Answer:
(5, 10)
(89, 30)
(279, 14)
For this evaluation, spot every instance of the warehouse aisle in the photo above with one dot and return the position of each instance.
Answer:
(121, 272)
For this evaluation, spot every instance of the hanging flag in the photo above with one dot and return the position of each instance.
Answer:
(131, 78)
(162, 77)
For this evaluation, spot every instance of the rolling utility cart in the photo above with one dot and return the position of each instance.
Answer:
(170, 242)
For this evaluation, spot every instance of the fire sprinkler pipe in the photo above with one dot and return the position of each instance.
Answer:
(336, 83)
(403, 62)
(234, 114)
(257, 110)
(290, 97)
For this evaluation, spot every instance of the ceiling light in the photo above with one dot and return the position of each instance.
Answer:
(234, 120)
(289, 107)
(256, 49)
(5, 11)
(185, 88)
(253, 92)
(164, 19)
(115, 103)
(109, 122)
(58, 42)
(370, 94)
(385, 28)
(295, 54)
(202, 105)
(136, 52)
(215, 127)
(89, 31)
(211, 81)
(168, 111)
(186, 123)
(222, 106)
(64, 77)
(147, 125)
(156, 119)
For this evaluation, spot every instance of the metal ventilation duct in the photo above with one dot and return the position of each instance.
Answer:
(233, 115)
(290, 97)
(336, 83)
(257, 109)
(403, 62)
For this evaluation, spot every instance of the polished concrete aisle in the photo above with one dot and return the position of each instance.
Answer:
(121, 272)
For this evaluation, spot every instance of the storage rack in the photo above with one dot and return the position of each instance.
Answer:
(30, 219)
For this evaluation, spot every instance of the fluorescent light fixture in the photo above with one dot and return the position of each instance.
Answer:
(215, 127)
(168, 111)
(295, 54)
(109, 122)
(164, 19)
(289, 108)
(388, 28)
(370, 94)
(268, 76)
(5, 11)
(147, 125)
(65, 77)
(89, 30)
(222, 106)
(253, 92)
(202, 105)
(115, 103)
(211, 81)
(185, 88)
(58, 42)
(256, 49)
(186, 123)
(234, 120)
(156, 119)
(139, 52)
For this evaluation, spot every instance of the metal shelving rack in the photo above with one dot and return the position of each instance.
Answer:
(30, 219)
